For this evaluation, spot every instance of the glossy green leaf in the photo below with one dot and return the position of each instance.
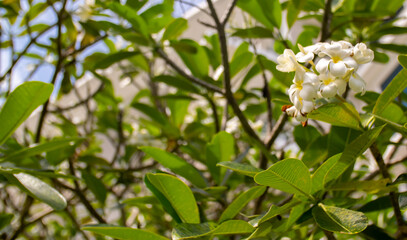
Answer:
(396, 86)
(188, 231)
(366, 186)
(112, 58)
(240, 202)
(175, 29)
(20, 104)
(351, 152)
(220, 149)
(338, 114)
(403, 58)
(341, 220)
(273, 212)
(177, 165)
(141, 201)
(38, 189)
(241, 168)
(96, 186)
(178, 194)
(316, 152)
(40, 148)
(123, 233)
(289, 175)
(195, 58)
(255, 10)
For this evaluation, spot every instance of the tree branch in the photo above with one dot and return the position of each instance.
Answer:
(326, 22)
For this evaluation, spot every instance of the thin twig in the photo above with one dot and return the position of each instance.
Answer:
(215, 113)
(228, 13)
(326, 22)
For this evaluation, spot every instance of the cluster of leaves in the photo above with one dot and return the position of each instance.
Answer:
(183, 157)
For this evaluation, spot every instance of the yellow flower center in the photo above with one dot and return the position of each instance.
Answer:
(336, 59)
(328, 81)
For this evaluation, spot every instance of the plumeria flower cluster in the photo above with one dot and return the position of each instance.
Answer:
(336, 66)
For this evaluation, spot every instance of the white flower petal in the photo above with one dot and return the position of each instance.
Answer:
(338, 69)
(357, 84)
(328, 91)
(322, 65)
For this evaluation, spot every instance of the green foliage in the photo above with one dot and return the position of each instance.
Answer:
(170, 125)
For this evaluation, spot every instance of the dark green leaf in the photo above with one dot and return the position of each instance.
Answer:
(123, 233)
(5, 220)
(96, 186)
(274, 211)
(110, 59)
(177, 82)
(175, 29)
(130, 15)
(304, 136)
(254, 32)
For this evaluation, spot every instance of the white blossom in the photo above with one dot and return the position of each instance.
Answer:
(362, 54)
(287, 61)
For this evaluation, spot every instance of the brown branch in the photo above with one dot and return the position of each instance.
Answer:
(326, 22)
(215, 113)
(193, 79)
(393, 196)
(277, 129)
(228, 13)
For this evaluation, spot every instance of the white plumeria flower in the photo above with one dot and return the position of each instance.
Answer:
(307, 54)
(362, 54)
(287, 61)
(331, 85)
(340, 59)
(357, 84)
(294, 112)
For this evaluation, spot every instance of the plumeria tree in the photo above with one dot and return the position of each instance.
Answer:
(259, 127)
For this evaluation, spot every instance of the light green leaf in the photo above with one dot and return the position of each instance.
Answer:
(255, 10)
(177, 82)
(175, 29)
(254, 32)
(351, 152)
(5, 220)
(241, 168)
(193, 55)
(289, 175)
(37, 149)
(141, 201)
(38, 189)
(396, 86)
(177, 165)
(242, 200)
(220, 149)
(366, 186)
(188, 231)
(123, 233)
(20, 104)
(341, 220)
(178, 194)
(403, 58)
(130, 15)
(96, 186)
(338, 114)
(272, 11)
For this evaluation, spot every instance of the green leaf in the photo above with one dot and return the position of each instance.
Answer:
(193, 55)
(351, 152)
(396, 86)
(366, 186)
(391, 47)
(272, 10)
(123, 233)
(178, 82)
(163, 200)
(5, 220)
(254, 32)
(220, 149)
(112, 58)
(130, 15)
(338, 114)
(44, 147)
(319, 175)
(175, 29)
(289, 175)
(178, 194)
(38, 189)
(241, 168)
(304, 136)
(187, 231)
(255, 10)
(20, 104)
(96, 186)
(341, 220)
(316, 152)
(274, 211)
(140, 201)
(402, 178)
(242, 200)
(177, 165)
(403, 59)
